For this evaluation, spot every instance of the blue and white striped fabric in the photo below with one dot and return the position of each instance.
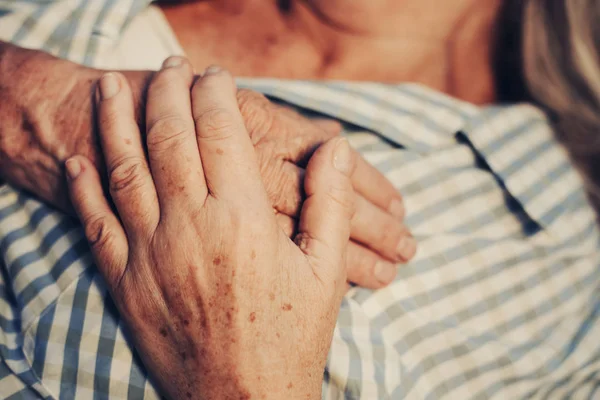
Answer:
(502, 300)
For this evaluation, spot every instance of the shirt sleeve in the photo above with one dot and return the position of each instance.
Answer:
(78, 30)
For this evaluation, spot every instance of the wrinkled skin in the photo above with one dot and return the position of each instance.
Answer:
(220, 302)
(54, 119)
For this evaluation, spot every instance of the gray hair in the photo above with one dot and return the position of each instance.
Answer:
(560, 66)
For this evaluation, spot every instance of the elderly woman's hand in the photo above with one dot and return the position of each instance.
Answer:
(219, 301)
(283, 141)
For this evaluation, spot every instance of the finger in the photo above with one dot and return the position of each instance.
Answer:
(129, 179)
(367, 269)
(377, 189)
(302, 136)
(324, 227)
(228, 158)
(381, 232)
(306, 137)
(171, 137)
(285, 186)
(330, 126)
(102, 228)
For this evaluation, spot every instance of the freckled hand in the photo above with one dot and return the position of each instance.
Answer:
(219, 301)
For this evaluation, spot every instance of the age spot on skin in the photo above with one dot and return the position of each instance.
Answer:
(290, 385)
(271, 41)
(253, 255)
(186, 322)
(220, 152)
(127, 141)
(252, 316)
(163, 332)
(287, 307)
(227, 289)
(217, 261)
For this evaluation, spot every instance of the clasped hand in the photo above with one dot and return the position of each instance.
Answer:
(220, 302)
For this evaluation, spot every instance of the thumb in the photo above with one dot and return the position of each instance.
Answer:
(103, 230)
(324, 228)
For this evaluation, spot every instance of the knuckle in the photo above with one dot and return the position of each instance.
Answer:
(284, 190)
(250, 99)
(286, 199)
(167, 133)
(127, 174)
(256, 111)
(215, 123)
(97, 232)
(387, 233)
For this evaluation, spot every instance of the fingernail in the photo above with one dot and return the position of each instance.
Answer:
(342, 156)
(385, 272)
(172, 62)
(73, 168)
(397, 208)
(109, 86)
(213, 69)
(407, 247)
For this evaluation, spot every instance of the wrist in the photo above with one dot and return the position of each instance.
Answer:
(41, 120)
(263, 377)
(47, 116)
(236, 373)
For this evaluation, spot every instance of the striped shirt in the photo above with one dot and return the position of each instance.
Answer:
(502, 300)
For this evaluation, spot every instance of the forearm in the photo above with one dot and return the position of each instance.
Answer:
(46, 116)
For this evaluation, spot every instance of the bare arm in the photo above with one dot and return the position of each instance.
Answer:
(46, 116)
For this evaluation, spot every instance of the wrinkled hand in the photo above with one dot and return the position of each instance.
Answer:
(284, 140)
(220, 302)
(57, 123)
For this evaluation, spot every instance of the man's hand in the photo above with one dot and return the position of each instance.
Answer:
(46, 106)
(221, 304)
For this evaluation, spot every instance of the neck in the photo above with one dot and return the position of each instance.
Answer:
(448, 50)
